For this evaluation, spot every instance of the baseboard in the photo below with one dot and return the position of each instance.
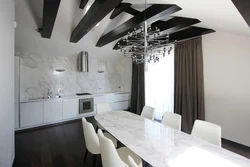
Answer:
(242, 145)
(46, 126)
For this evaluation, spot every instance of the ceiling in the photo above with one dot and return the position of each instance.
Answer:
(28, 16)
(220, 15)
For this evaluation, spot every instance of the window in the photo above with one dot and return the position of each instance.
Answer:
(159, 85)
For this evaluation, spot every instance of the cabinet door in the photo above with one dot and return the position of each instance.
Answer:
(70, 108)
(31, 114)
(121, 97)
(52, 111)
(16, 115)
(120, 105)
(103, 99)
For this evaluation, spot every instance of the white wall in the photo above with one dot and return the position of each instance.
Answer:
(6, 82)
(37, 75)
(227, 84)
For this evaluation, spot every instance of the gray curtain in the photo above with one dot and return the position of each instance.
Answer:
(189, 82)
(138, 89)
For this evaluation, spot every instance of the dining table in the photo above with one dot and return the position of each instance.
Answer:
(163, 146)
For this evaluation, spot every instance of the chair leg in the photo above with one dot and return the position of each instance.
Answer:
(94, 160)
(85, 155)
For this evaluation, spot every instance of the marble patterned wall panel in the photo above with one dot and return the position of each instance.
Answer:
(38, 75)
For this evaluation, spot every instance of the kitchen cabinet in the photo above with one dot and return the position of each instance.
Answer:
(52, 111)
(120, 105)
(70, 108)
(16, 115)
(31, 114)
(121, 97)
(44, 112)
(103, 99)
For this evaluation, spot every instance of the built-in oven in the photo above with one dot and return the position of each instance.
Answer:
(86, 105)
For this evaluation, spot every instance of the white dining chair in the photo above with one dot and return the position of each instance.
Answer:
(102, 108)
(112, 157)
(92, 141)
(207, 131)
(172, 120)
(131, 162)
(148, 112)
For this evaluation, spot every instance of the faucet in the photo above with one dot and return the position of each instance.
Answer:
(49, 94)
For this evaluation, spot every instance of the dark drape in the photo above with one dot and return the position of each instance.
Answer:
(138, 89)
(189, 82)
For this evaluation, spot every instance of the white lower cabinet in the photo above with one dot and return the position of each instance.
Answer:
(56, 110)
(121, 97)
(16, 115)
(52, 111)
(70, 108)
(120, 105)
(31, 114)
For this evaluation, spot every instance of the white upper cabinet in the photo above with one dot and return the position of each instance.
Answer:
(31, 114)
(70, 108)
(52, 111)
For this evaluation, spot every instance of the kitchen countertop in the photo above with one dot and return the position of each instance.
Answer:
(26, 100)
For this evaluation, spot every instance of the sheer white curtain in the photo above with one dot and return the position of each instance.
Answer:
(159, 85)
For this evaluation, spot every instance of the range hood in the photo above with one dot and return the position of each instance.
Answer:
(83, 62)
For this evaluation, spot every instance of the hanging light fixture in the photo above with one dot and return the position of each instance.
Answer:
(145, 45)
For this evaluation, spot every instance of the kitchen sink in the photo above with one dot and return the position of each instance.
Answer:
(37, 98)
(40, 98)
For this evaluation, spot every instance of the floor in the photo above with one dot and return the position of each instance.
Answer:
(63, 146)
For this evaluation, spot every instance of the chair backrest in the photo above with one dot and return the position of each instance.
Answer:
(102, 108)
(91, 138)
(172, 120)
(207, 131)
(131, 162)
(148, 112)
(110, 157)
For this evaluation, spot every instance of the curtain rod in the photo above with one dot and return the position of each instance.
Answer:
(185, 40)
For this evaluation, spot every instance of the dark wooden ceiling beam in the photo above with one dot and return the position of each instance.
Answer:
(167, 27)
(243, 7)
(83, 4)
(98, 10)
(132, 11)
(50, 9)
(189, 33)
(119, 9)
(153, 13)
(175, 24)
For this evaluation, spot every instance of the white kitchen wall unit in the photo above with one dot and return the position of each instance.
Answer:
(52, 111)
(48, 111)
(31, 114)
(70, 108)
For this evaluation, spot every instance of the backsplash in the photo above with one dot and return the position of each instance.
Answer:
(37, 75)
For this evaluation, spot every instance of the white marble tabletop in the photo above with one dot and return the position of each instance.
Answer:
(162, 146)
